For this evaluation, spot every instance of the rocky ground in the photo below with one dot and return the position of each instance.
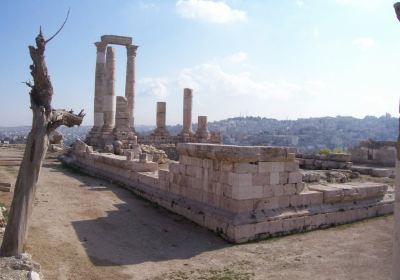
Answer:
(86, 228)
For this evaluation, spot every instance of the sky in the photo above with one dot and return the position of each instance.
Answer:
(283, 59)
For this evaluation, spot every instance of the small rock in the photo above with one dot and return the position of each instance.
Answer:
(33, 275)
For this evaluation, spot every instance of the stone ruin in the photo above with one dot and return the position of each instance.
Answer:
(374, 153)
(242, 193)
(113, 129)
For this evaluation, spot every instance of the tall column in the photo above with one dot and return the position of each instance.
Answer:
(187, 111)
(109, 93)
(130, 82)
(396, 239)
(161, 119)
(202, 132)
(99, 85)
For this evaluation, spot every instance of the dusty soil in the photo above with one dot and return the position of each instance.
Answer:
(86, 228)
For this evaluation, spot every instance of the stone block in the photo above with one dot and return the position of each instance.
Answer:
(289, 189)
(184, 159)
(271, 167)
(260, 179)
(244, 232)
(242, 180)
(207, 163)
(291, 166)
(331, 194)
(293, 224)
(244, 167)
(283, 178)
(268, 191)
(250, 192)
(226, 166)
(274, 178)
(194, 171)
(300, 187)
(295, 177)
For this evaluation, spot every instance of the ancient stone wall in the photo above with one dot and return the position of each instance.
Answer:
(241, 193)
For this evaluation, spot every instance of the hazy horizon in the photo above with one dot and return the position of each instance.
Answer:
(281, 60)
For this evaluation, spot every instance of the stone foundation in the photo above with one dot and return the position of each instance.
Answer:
(324, 162)
(241, 193)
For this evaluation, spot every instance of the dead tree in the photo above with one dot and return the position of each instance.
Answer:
(45, 120)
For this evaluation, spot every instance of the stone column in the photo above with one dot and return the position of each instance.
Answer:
(130, 82)
(202, 132)
(396, 239)
(109, 93)
(99, 85)
(187, 111)
(161, 119)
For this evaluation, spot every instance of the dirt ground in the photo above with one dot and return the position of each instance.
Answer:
(86, 228)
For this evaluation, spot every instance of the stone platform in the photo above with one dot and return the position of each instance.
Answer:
(241, 193)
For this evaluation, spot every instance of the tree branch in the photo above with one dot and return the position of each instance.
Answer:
(63, 117)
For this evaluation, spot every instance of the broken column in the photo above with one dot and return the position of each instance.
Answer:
(161, 120)
(109, 93)
(130, 82)
(202, 133)
(187, 112)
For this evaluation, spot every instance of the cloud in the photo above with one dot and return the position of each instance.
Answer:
(364, 43)
(300, 3)
(209, 11)
(156, 87)
(211, 79)
(238, 57)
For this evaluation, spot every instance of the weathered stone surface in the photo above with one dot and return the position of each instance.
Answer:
(116, 40)
(233, 153)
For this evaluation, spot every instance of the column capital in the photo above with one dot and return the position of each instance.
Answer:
(131, 50)
(100, 46)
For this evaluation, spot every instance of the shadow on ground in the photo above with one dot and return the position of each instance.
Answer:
(137, 230)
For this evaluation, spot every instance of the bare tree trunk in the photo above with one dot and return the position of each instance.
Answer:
(45, 120)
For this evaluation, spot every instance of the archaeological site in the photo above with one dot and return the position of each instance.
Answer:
(125, 203)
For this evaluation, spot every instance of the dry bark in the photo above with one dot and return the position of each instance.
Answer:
(45, 120)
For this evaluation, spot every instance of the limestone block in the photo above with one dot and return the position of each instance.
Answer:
(207, 163)
(241, 180)
(269, 227)
(222, 189)
(245, 167)
(315, 221)
(250, 192)
(274, 178)
(116, 40)
(306, 199)
(184, 159)
(226, 166)
(241, 206)
(283, 178)
(194, 171)
(300, 187)
(233, 153)
(243, 233)
(291, 166)
(268, 191)
(271, 167)
(295, 177)
(289, 189)
(276, 202)
(331, 194)
(260, 179)
(277, 190)
(293, 224)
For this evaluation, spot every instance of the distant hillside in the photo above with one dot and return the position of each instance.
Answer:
(306, 134)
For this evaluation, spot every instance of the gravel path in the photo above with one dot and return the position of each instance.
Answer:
(86, 228)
